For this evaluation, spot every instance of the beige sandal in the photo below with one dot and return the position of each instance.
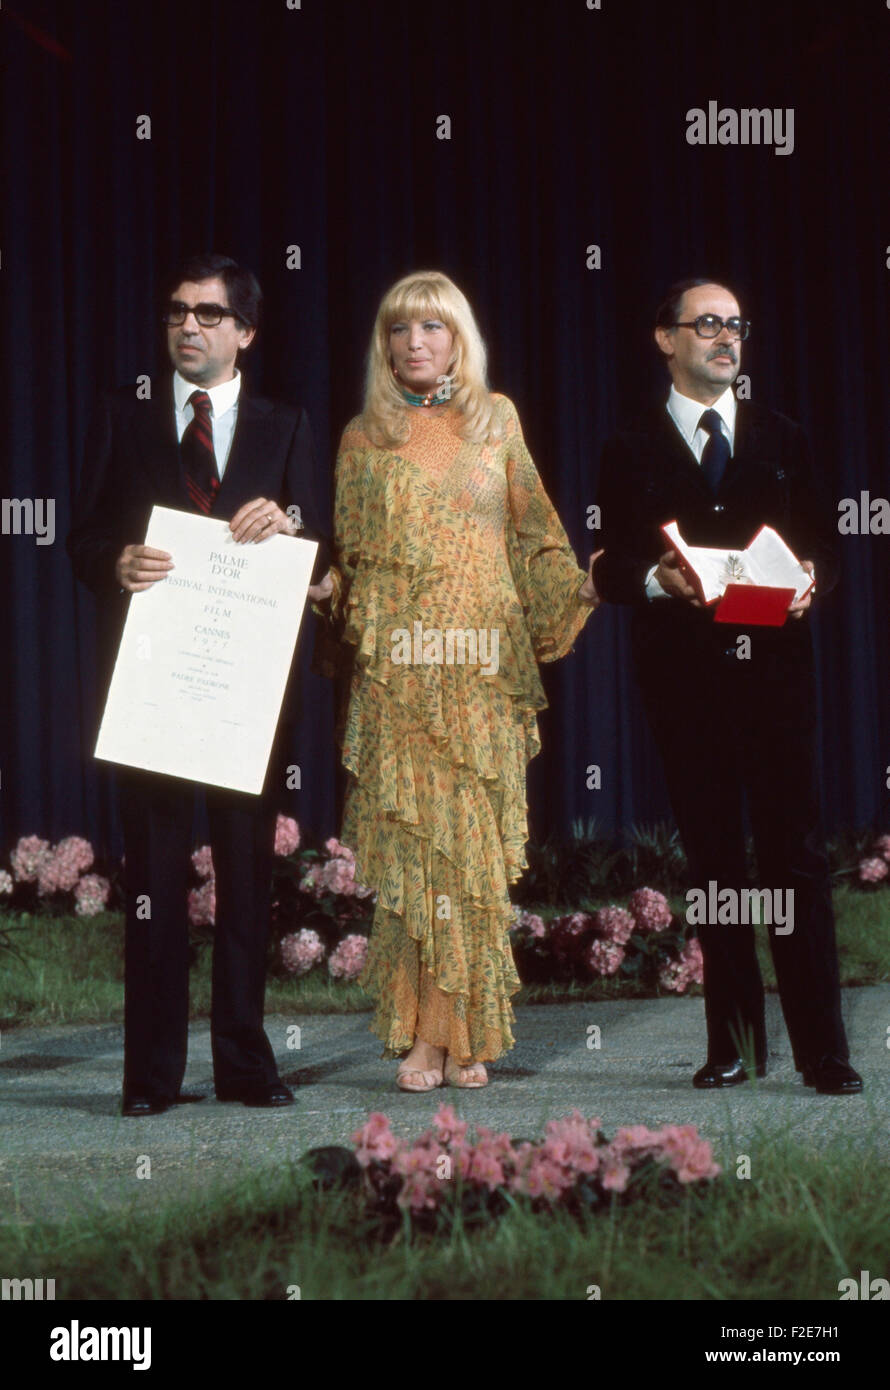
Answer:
(424, 1072)
(454, 1070)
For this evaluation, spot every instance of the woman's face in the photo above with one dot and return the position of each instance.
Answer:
(421, 352)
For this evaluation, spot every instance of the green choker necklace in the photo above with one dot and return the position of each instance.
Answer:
(431, 398)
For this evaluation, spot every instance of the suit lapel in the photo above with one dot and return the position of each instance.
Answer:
(682, 458)
(155, 428)
(250, 467)
(745, 445)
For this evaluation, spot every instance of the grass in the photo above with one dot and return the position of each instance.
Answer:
(805, 1220)
(71, 970)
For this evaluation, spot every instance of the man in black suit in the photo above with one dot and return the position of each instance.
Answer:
(734, 720)
(200, 443)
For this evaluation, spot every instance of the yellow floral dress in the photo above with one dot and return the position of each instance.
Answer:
(439, 536)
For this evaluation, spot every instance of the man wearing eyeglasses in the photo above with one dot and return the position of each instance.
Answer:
(202, 443)
(733, 710)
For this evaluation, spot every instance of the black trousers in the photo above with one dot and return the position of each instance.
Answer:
(731, 731)
(157, 814)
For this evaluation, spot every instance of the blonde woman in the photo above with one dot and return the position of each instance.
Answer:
(454, 578)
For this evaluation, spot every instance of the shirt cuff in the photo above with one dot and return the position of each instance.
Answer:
(653, 588)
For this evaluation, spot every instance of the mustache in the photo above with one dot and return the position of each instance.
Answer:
(726, 351)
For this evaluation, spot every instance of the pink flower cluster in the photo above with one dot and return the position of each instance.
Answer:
(603, 957)
(678, 975)
(347, 961)
(287, 836)
(546, 1172)
(301, 950)
(6, 883)
(202, 904)
(202, 862)
(873, 870)
(336, 876)
(91, 894)
(876, 868)
(651, 910)
(29, 855)
(614, 924)
(60, 870)
(569, 935)
(531, 924)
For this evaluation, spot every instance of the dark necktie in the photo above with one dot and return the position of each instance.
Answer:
(201, 476)
(716, 454)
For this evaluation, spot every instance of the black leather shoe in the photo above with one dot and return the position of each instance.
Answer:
(143, 1105)
(716, 1074)
(265, 1093)
(832, 1076)
(151, 1105)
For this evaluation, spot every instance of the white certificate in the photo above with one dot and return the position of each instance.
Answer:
(205, 654)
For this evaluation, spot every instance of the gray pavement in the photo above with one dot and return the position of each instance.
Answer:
(64, 1145)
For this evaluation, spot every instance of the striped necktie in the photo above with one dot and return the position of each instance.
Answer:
(201, 476)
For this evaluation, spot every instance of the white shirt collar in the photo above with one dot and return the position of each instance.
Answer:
(686, 412)
(222, 397)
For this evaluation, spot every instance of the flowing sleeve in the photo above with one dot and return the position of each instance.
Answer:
(348, 508)
(331, 656)
(542, 561)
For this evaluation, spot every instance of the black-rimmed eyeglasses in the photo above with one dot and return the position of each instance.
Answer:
(710, 325)
(207, 315)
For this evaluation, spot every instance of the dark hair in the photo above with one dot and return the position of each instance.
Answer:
(242, 286)
(669, 307)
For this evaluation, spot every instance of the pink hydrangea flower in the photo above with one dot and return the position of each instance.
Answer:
(883, 846)
(202, 904)
(531, 923)
(6, 883)
(91, 894)
(338, 876)
(687, 970)
(873, 870)
(651, 910)
(347, 961)
(309, 883)
(301, 950)
(614, 924)
(603, 957)
(287, 836)
(568, 935)
(28, 856)
(67, 861)
(202, 862)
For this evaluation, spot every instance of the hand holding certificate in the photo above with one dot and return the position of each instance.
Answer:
(205, 654)
(757, 585)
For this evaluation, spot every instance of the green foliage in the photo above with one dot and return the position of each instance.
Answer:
(588, 866)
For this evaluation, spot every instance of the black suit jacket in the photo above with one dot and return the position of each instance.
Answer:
(650, 476)
(132, 462)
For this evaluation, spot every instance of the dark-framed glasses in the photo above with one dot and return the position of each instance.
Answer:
(207, 315)
(709, 325)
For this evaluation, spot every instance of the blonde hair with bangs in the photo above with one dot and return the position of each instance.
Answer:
(427, 294)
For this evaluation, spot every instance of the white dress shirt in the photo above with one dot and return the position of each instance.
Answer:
(686, 415)
(223, 413)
